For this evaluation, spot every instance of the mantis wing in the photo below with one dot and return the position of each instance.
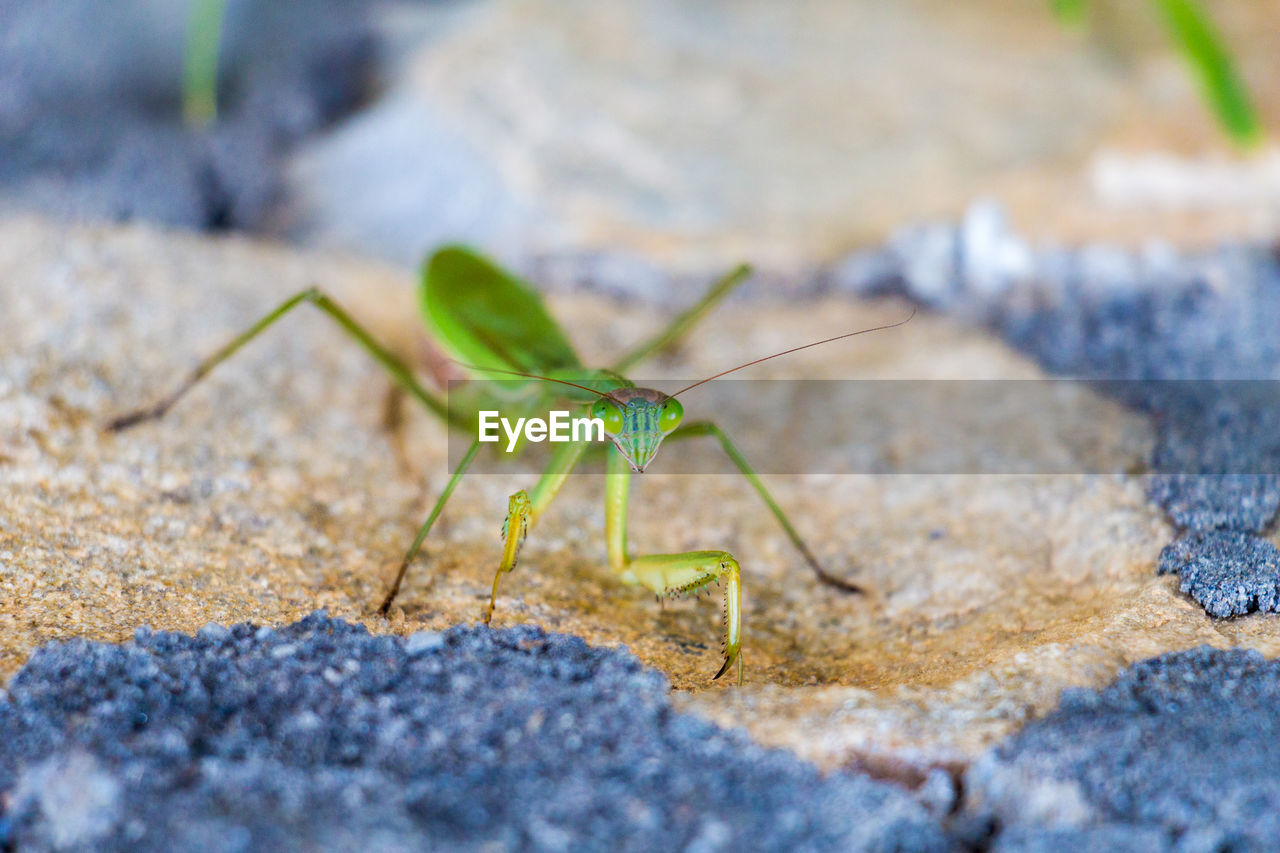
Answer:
(489, 318)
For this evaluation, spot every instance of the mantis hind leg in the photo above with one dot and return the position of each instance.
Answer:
(409, 556)
(672, 574)
(334, 311)
(401, 374)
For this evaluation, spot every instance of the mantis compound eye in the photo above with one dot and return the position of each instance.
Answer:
(610, 414)
(670, 416)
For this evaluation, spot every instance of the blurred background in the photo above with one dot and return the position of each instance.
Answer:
(684, 135)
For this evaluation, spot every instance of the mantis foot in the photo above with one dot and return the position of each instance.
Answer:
(677, 574)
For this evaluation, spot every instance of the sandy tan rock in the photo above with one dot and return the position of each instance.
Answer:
(274, 489)
(688, 132)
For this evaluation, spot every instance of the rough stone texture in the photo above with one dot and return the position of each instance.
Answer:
(1221, 438)
(1230, 573)
(1204, 503)
(273, 489)
(1184, 745)
(321, 736)
(1117, 838)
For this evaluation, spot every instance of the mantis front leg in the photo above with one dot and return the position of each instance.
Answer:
(665, 574)
(671, 574)
(523, 510)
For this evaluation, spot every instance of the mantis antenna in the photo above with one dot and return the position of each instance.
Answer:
(709, 378)
(531, 376)
(797, 349)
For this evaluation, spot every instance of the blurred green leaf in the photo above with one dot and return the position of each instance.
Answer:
(1070, 11)
(1204, 50)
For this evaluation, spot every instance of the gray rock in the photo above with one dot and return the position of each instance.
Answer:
(938, 792)
(694, 135)
(1203, 502)
(71, 795)
(929, 258)
(213, 632)
(517, 738)
(1116, 838)
(1169, 328)
(1183, 746)
(1107, 272)
(864, 273)
(343, 197)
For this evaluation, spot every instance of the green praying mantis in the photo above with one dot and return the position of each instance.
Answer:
(491, 322)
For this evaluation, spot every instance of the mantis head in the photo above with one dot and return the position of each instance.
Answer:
(637, 420)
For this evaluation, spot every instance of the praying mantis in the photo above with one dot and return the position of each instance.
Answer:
(492, 322)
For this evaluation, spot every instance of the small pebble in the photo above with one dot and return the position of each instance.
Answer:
(421, 642)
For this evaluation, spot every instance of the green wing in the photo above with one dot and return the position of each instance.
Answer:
(487, 317)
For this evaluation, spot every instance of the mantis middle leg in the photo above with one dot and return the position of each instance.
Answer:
(703, 428)
(678, 327)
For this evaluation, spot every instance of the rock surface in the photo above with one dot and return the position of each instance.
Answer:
(322, 736)
(652, 130)
(1180, 749)
(274, 489)
(1190, 339)
(694, 135)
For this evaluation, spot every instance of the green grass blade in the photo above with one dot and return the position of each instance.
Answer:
(1204, 50)
(200, 67)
